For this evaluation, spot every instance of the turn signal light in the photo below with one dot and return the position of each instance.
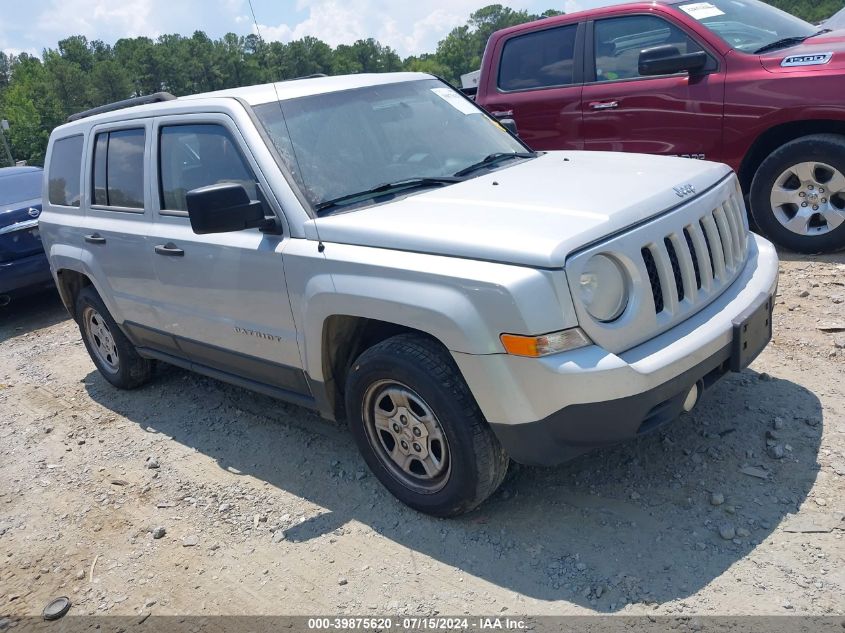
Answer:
(545, 344)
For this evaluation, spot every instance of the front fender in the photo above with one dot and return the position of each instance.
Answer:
(465, 304)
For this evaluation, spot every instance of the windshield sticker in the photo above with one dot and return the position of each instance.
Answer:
(455, 100)
(814, 59)
(701, 10)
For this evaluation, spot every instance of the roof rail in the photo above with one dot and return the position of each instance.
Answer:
(119, 105)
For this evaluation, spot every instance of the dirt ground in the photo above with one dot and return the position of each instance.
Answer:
(736, 508)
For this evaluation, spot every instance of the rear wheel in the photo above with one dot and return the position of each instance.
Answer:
(420, 430)
(798, 194)
(112, 353)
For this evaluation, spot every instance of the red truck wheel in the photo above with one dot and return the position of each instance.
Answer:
(798, 194)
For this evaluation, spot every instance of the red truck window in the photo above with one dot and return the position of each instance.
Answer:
(541, 59)
(618, 42)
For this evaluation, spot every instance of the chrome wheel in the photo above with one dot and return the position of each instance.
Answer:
(809, 198)
(100, 339)
(406, 435)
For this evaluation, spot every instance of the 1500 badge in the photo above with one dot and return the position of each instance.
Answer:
(815, 59)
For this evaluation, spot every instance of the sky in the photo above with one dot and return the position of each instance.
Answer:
(409, 26)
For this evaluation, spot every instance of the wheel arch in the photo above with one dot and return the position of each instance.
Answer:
(69, 283)
(778, 135)
(344, 338)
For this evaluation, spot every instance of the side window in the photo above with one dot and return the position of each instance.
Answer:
(118, 178)
(541, 59)
(192, 156)
(63, 186)
(618, 42)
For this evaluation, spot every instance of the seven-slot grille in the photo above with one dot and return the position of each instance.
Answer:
(703, 256)
(677, 263)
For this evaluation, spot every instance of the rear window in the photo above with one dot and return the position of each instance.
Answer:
(119, 169)
(19, 187)
(65, 166)
(539, 60)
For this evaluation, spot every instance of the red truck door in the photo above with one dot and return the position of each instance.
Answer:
(538, 84)
(667, 114)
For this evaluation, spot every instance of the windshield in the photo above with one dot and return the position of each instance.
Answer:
(20, 187)
(340, 143)
(747, 25)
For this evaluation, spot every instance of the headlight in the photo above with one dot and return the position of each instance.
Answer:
(604, 288)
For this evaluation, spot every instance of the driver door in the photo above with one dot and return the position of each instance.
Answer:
(222, 299)
(668, 114)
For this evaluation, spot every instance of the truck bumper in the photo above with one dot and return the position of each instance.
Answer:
(545, 411)
(24, 274)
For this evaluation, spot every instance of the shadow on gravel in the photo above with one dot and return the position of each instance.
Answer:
(829, 258)
(31, 313)
(633, 523)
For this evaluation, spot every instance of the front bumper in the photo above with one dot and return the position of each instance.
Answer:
(547, 410)
(24, 274)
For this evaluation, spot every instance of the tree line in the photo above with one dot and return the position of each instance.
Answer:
(39, 93)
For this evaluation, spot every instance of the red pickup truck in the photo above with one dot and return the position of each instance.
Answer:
(735, 81)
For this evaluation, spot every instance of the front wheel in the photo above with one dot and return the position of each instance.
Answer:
(798, 194)
(420, 430)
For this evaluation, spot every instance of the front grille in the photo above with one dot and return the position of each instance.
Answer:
(705, 254)
(654, 279)
(679, 262)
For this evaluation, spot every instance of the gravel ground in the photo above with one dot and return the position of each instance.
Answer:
(190, 496)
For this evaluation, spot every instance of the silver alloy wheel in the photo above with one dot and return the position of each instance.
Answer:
(407, 436)
(100, 339)
(809, 198)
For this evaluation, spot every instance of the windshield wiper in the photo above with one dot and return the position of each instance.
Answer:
(388, 187)
(788, 41)
(492, 159)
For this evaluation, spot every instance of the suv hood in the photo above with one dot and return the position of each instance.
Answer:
(533, 213)
(822, 53)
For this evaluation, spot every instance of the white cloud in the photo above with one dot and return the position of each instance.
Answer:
(93, 17)
(17, 51)
(410, 28)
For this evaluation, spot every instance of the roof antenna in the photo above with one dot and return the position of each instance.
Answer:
(320, 246)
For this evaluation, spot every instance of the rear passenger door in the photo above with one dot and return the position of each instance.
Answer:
(221, 298)
(675, 114)
(539, 85)
(117, 219)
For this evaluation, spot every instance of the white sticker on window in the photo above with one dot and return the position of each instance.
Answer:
(701, 10)
(455, 100)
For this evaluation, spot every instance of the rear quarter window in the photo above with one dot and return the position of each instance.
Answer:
(542, 59)
(64, 178)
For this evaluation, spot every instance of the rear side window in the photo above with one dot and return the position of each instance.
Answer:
(193, 156)
(119, 169)
(542, 59)
(620, 40)
(65, 164)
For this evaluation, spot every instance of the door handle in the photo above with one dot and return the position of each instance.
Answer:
(95, 238)
(604, 105)
(169, 249)
(502, 114)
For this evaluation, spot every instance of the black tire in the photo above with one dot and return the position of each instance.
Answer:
(124, 369)
(477, 464)
(828, 149)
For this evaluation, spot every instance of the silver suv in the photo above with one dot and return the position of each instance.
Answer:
(378, 248)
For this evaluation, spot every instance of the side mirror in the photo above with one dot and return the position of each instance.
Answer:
(510, 125)
(667, 60)
(223, 208)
